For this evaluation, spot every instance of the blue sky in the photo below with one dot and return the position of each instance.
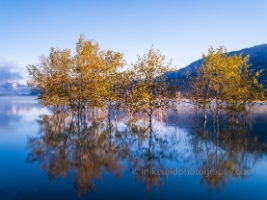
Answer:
(181, 29)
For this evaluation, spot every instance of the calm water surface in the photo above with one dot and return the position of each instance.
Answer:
(44, 156)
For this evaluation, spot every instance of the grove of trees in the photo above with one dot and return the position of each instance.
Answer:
(97, 79)
(92, 79)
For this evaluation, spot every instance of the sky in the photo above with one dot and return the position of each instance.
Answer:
(181, 29)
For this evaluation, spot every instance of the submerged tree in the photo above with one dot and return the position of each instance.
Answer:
(225, 81)
(51, 77)
(150, 88)
(242, 87)
(84, 80)
(96, 79)
(90, 78)
(112, 81)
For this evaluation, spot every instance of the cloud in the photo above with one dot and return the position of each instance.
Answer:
(9, 72)
(11, 79)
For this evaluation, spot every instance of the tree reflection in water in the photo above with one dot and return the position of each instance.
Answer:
(137, 146)
(231, 150)
(64, 145)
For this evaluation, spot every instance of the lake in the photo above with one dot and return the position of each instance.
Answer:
(47, 156)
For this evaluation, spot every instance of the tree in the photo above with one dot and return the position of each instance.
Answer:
(242, 84)
(85, 78)
(225, 81)
(51, 77)
(111, 81)
(150, 89)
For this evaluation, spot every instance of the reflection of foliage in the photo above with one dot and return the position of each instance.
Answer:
(151, 153)
(97, 146)
(222, 168)
(229, 150)
(66, 144)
